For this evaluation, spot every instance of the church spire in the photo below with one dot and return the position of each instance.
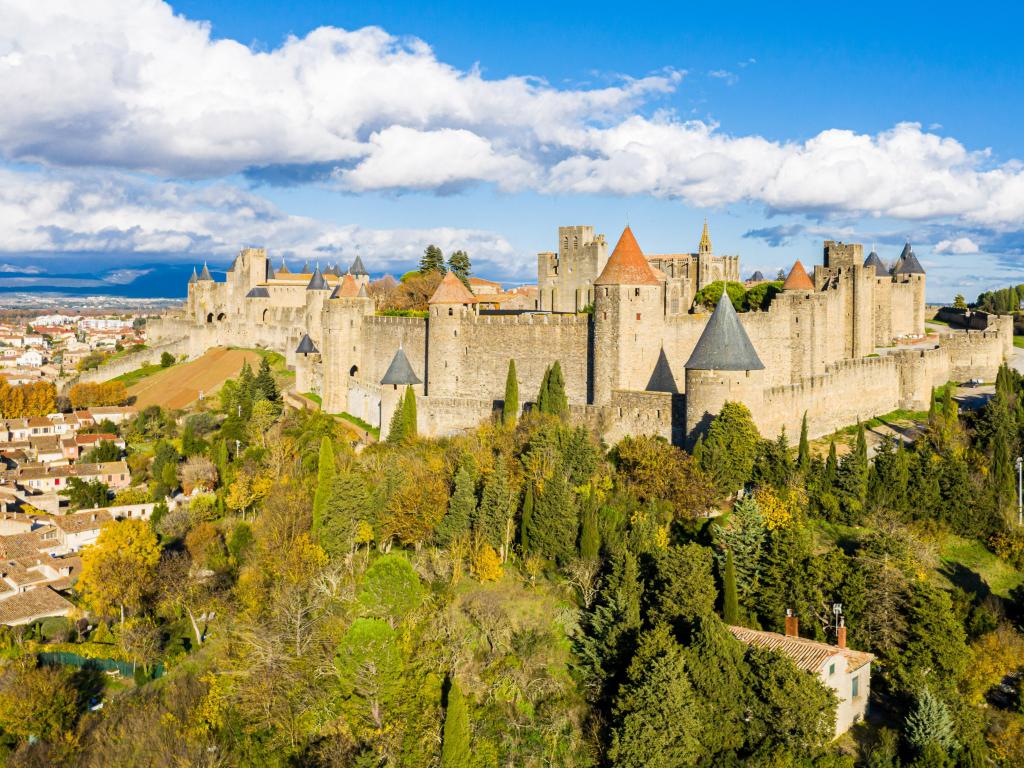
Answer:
(705, 240)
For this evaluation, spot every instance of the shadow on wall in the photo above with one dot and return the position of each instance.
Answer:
(662, 379)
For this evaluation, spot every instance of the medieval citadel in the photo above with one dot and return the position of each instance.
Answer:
(844, 342)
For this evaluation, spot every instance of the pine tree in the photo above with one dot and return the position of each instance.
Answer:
(554, 524)
(730, 599)
(461, 508)
(930, 724)
(730, 448)
(324, 482)
(744, 539)
(455, 752)
(458, 264)
(510, 406)
(433, 260)
(803, 461)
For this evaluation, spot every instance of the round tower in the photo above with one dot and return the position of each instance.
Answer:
(342, 343)
(392, 387)
(451, 309)
(724, 367)
(629, 315)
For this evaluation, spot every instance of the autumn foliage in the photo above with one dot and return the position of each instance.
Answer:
(35, 399)
(88, 394)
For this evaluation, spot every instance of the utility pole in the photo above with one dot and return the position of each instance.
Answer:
(1020, 488)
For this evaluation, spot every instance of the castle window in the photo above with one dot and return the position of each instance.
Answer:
(636, 291)
(353, 370)
(209, 318)
(637, 315)
(456, 334)
(605, 315)
(451, 311)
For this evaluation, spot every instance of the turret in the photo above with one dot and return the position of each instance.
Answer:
(798, 280)
(358, 271)
(451, 309)
(724, 367)
(908, 271)
(306, 357)
(629, 313)
(392, 386)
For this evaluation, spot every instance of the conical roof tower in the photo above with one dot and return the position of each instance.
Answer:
(627, 265)
(724, 344)
(400, 371)
(798, 279)
(873, 262)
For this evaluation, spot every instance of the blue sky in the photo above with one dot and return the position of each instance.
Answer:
(147, 133)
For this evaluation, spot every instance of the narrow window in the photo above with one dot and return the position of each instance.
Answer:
(831, 669)
(855, 687)
(451, 311)
(637, 315)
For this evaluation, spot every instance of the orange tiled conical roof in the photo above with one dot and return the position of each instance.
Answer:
(452, 291)
(348, 288)
(798, 279)
(627, 265)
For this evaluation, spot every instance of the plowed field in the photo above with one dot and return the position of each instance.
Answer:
(180, 385)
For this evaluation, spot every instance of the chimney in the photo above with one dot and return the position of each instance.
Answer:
(792, 624)
(841, 633)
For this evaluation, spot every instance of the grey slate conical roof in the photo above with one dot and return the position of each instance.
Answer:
(908, 263)
(357, 267)
(873, 261)
(758, 275)
(195, 276)
(205, 274)
(317, 282)
(400, 371)
(306, 346)
(724, 344)
(362, 291)
(333, 270)
(259, 292)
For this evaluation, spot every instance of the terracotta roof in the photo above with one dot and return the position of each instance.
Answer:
(808, 655)
(798, 279)
(452, 291)
(82, 521)
(627, 265)
(33, 604)
(347, 288)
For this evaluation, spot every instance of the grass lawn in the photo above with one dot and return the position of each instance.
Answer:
(359, 423)
(938, 322)
(1018, 341)
(967, 560)
(134, 377)
(278, 365)
(314, 397)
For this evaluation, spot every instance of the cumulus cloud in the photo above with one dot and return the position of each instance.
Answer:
(49, 212)
(961, 245)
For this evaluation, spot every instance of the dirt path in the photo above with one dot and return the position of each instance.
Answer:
(179, 386)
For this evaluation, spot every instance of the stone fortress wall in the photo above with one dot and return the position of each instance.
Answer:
(625, 363)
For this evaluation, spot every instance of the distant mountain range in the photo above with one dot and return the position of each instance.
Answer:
(136, 281)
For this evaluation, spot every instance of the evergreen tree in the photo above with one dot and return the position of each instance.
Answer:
(510, 406)
(730, 598)
(455, 752)
(461, 508)
(396, 430)
(324, 481)
(803, 456)
(458, 264)
(494, 517)
(348, 505)
(930, 723)
(715, 666)
(553, 526)
(698, 451)
(552, 399)
(433, 260)
(265, 384)
(656, 712)
(590, 536)
(683, 588)
(409, 416)
(743, 537)
(831, 466)
(526, 524)
(730, 448)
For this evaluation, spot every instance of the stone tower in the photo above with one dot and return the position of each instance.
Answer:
(566, 280)
(908, 272)
(343, 316)
(724, 367)
(307, 359)
(629, 317)
(398, 376)
(317, 292)
(451, 308)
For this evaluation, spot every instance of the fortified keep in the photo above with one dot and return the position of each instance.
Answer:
(841, 342)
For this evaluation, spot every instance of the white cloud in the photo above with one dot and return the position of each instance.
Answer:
(961, 245)
(730, 78)
(63, 213)
(129, 85)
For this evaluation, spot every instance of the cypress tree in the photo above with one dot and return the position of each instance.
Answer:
(559, 403)
(527, 522)
(495, 510)
(554, 524)
(409, 414)
(396, 430)
(461, 508)
(510, 407)
(455, 743)
(730, 600)
(804, 451)
(542, 394)
(831, 466)
(324, 481)
(590, 536)
(698, 451)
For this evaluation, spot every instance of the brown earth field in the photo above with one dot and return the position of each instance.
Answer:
(179, 386)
